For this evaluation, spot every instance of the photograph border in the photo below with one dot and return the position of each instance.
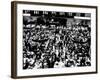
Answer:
(14, 37)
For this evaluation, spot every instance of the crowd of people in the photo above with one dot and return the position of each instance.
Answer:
(56, 46)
